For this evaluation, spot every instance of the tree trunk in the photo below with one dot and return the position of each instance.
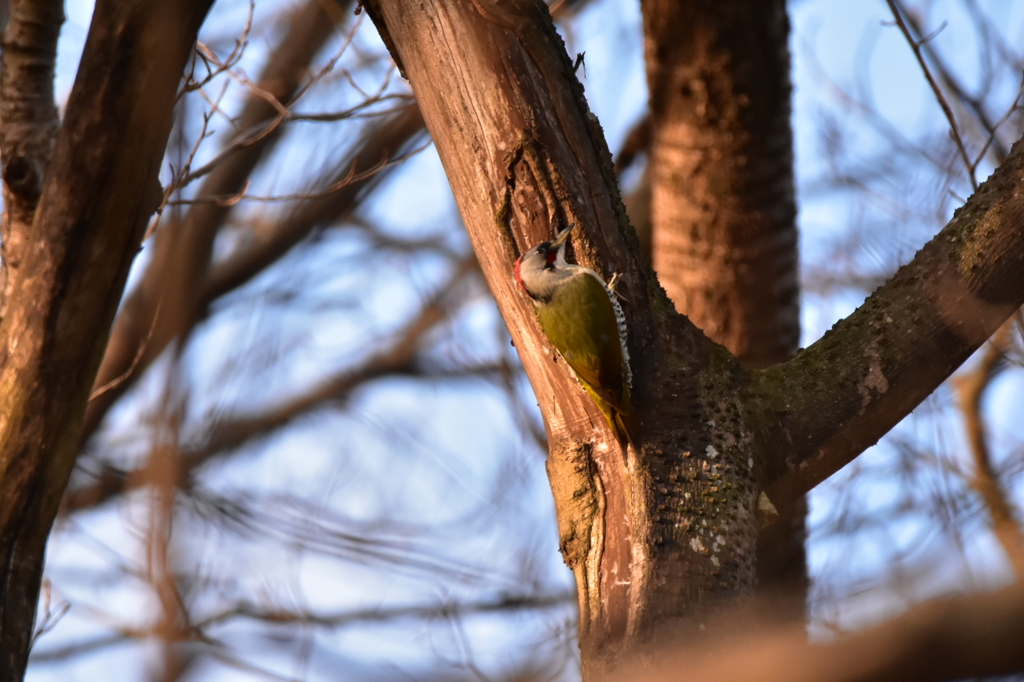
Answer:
(659, 538)
(100, 188)
(723, 204)
(28, 122)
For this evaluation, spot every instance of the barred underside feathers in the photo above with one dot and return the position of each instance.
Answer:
(620, 320)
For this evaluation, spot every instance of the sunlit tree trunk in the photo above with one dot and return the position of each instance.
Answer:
(661, 539)
(658, 540)
(723, 205)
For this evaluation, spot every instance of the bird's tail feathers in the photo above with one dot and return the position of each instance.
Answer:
(620, 419)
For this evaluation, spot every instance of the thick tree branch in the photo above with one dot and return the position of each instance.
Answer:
(838, 397)
(525, 157)
(723, 202)
(723, 199)
(101, 187)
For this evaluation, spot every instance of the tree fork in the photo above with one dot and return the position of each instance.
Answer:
(839, 396)
(524, 157)
(669, 534)
(723, 203)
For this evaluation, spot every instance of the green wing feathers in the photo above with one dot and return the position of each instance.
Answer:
(581, 322)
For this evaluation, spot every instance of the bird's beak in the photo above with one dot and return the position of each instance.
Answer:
(562, 237)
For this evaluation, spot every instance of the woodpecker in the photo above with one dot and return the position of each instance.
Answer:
(582, 318)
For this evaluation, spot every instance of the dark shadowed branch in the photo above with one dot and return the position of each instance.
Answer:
(83, 240)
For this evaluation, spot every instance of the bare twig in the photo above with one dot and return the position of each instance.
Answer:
(231, 433)
(283, 617)
(209, 57)
(117, 381)
(52, 615)
(350, 178)
(385, 139)
(971, 388)
(939, 96)
(974, 103)
(182, 254)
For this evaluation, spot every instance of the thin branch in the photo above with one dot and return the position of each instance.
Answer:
(350, 178)
(939, 96)
(975, 104)
(384, 139)
(228, 434)
(424, 611)
(971, 388)
(182, 254)
(283, 617)
(209, 57)
(117, 381)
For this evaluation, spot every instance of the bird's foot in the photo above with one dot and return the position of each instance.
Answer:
(611, 286)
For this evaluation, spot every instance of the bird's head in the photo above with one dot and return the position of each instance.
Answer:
(539, 270)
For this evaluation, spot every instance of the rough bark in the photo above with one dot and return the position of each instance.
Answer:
(100, 188)
(662, 535)
(28, 122)
(660, 538)
(723, 200)
(838, 397)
